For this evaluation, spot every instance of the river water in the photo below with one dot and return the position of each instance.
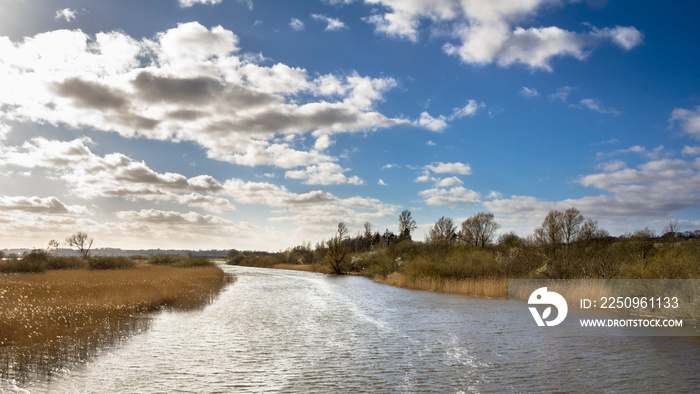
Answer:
(287, 331)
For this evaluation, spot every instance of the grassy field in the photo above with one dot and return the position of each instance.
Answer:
(52, 319)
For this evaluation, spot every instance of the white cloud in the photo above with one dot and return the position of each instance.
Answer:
(381, 183)
(296, 24)
(332, 24)
(658, 188)
(529, 92)
(595, 105)
(562, 94)
(190, 3)
(691, 150)
(189, 83)
(640, 150)
(689, 120)
(468, 110)
(485, 32)
(113, 175)
(67, 14)
(430, 123)
(625, 37)
(48, 205)
(614, 165)
(447, 182)
(324, 174)
(450, 168)
(457, 195)
(323, 142)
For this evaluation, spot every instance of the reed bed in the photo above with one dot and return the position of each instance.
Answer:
(481, 287)
(57, 318)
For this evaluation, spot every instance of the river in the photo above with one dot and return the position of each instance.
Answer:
(288, 331)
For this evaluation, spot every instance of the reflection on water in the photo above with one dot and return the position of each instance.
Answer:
(288, 331)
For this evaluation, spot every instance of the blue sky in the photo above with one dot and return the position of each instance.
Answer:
(262, 124)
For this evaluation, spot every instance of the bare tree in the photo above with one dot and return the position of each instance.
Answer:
(335, 255)
(444, 230)
(479, 229)
(406, 225)
(53, 246)
(671, 229)
(81, 241)
(571, 221)
(590, 231)
(551, 232)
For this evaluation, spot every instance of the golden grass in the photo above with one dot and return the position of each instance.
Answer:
(56, 318)
(485, 287)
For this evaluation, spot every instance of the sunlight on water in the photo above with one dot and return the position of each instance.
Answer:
(287, 331)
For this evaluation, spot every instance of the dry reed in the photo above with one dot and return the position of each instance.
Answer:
(482, 287)
(57, 318)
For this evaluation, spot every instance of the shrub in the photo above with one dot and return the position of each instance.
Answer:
(180, 261)
(189, 261)
(65, 263)
(109, 263)
(163, 259)
(33, 262)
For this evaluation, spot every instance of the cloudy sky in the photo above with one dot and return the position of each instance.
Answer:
(256, 124)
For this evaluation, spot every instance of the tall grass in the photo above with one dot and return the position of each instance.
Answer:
(481, 287)
(57, 318)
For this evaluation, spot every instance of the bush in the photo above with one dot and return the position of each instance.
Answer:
(180, 261)
(109, 263)
(163, 259)
(65, 263)
(33, 262)
(189, 261)
(235, 260)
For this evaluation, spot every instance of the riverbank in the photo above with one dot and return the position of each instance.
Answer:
(51, 319)
(482, 287)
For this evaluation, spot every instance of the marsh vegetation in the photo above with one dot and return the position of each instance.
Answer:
(57, 311)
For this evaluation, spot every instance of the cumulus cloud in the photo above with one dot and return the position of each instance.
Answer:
(689, 120)
(450, 168)
(657, 188)
(332, 24)
(440, 123)
(48, 205)
(457, 195)
(487, 32)
(113, 175)
(188, 83)
(324, 174)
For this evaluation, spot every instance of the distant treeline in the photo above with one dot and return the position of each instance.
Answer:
(565, 246)
(126, 252)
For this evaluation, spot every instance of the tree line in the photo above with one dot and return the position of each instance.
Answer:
(565, 245)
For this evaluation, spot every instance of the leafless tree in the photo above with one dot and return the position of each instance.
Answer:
(336, 252)
(81, 241)
(571, 221)
(478, 230)
(444, 230)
